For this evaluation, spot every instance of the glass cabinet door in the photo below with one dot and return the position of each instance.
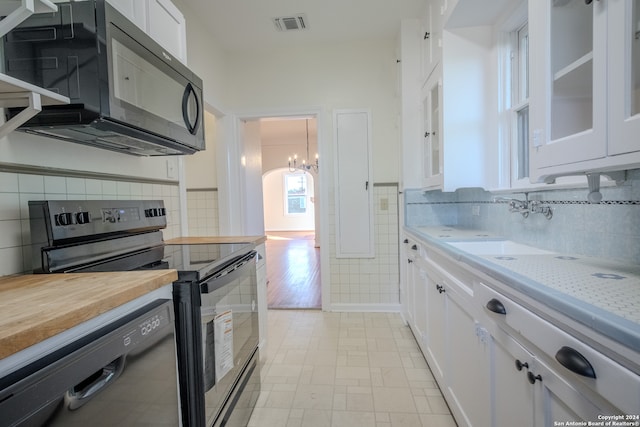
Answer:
(624, 76)
(571, 68)
(568, 75)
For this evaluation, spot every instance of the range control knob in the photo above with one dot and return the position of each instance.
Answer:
(154, 212)
(83, 217)
(65, 218)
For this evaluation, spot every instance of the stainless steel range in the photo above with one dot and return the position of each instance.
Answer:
(215, 296)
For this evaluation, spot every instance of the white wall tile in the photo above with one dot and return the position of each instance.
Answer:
(8, 182)
(76, 186)
(9, 206)
(55, 185)
(30, 183)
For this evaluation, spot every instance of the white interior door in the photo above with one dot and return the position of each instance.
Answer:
(353, 185)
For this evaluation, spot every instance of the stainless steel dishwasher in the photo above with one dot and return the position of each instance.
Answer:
(123, 374)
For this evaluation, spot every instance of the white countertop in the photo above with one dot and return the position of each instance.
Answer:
(601, 294)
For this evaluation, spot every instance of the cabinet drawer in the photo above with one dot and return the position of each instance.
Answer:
(570, 357)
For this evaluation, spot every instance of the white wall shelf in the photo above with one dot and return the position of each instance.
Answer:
(16, 93)
(16, 11)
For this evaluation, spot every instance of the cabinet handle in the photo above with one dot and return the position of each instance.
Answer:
(440, 289)
(496, 306)
(409, 260)
(405, 241)
(575, 362)
(533, 378)
(426, 134)
(427, 35)
(414, 247)
(588, 2)
(520, 365)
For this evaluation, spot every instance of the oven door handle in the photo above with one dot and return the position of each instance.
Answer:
(76, 398)
(227, 274)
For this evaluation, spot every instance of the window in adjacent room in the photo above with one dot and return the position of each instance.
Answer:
(295, 187)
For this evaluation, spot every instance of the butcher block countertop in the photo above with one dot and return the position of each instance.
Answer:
(35, 307)
(256, 240)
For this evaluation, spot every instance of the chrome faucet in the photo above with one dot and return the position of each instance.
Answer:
(515, 205)
(525, 207)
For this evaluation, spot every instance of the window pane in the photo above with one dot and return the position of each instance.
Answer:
(296, 189)
(635, 60)
(523, 62)
(522, 167)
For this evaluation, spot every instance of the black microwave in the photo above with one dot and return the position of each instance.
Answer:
(127, 93)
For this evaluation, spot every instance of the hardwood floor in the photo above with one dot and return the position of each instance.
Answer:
(293, 270)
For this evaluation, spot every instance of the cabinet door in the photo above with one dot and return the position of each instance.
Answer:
(513, 395)
(166, 25)
(354, 189)
(557, 400)
(431, 38)
(568, 82)
(436, 326)
(133, 10)
(420, 306)
(469, 373)
(432, 155)
(624, 77)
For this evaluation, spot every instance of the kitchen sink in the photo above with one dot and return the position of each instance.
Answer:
(499, 247)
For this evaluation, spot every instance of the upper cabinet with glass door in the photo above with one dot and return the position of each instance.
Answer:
(583, 85)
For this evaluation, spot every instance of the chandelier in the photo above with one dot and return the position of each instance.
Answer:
(305, 167)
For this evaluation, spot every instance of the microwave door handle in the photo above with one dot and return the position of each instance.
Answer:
(188, 91)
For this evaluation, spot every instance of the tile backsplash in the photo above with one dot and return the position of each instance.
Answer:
(17, 189)
(609, 229)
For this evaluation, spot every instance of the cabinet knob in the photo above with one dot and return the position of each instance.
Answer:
(409, 260)
(520, 365)
(426, 134)
(405, 241)
(575, 362)
(414, 247)
(496, 306)
(440, 289)
(533, 378)
(427, 35)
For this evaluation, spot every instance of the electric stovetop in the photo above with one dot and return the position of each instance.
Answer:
(203, 259)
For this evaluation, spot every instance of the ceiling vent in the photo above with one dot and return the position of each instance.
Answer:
(291, 23)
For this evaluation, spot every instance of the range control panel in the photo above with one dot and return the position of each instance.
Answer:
(63, 219)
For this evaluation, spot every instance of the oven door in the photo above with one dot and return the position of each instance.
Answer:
(229, 321)
(150, 89)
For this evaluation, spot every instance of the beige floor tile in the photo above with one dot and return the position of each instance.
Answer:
(272, 417)
(353, 419)
(311, 396)
(393, 399)
(346, 370)
(316, 418)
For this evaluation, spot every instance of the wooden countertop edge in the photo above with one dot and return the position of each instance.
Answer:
(34, 327)
(195, 240)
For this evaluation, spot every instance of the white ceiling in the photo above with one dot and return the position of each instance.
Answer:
(247, 24)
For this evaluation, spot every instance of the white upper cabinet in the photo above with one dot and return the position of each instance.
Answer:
(431, 38)
(166, 24)
(584, 85)
(134, 10)
(161, 20)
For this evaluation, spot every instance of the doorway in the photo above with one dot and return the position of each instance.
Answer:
(289, 184)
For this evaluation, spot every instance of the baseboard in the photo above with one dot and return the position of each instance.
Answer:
(367, 308)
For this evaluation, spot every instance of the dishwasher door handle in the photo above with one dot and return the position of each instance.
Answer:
(82, 393)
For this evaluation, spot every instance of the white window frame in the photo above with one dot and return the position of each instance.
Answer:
(512, 96)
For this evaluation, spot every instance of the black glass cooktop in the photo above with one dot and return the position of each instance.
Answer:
(203, 259)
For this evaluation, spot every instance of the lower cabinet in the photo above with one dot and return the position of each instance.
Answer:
(457, 351)
(512, 402)
(489, 356)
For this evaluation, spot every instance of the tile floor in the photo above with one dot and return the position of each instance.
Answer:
(345, 370)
